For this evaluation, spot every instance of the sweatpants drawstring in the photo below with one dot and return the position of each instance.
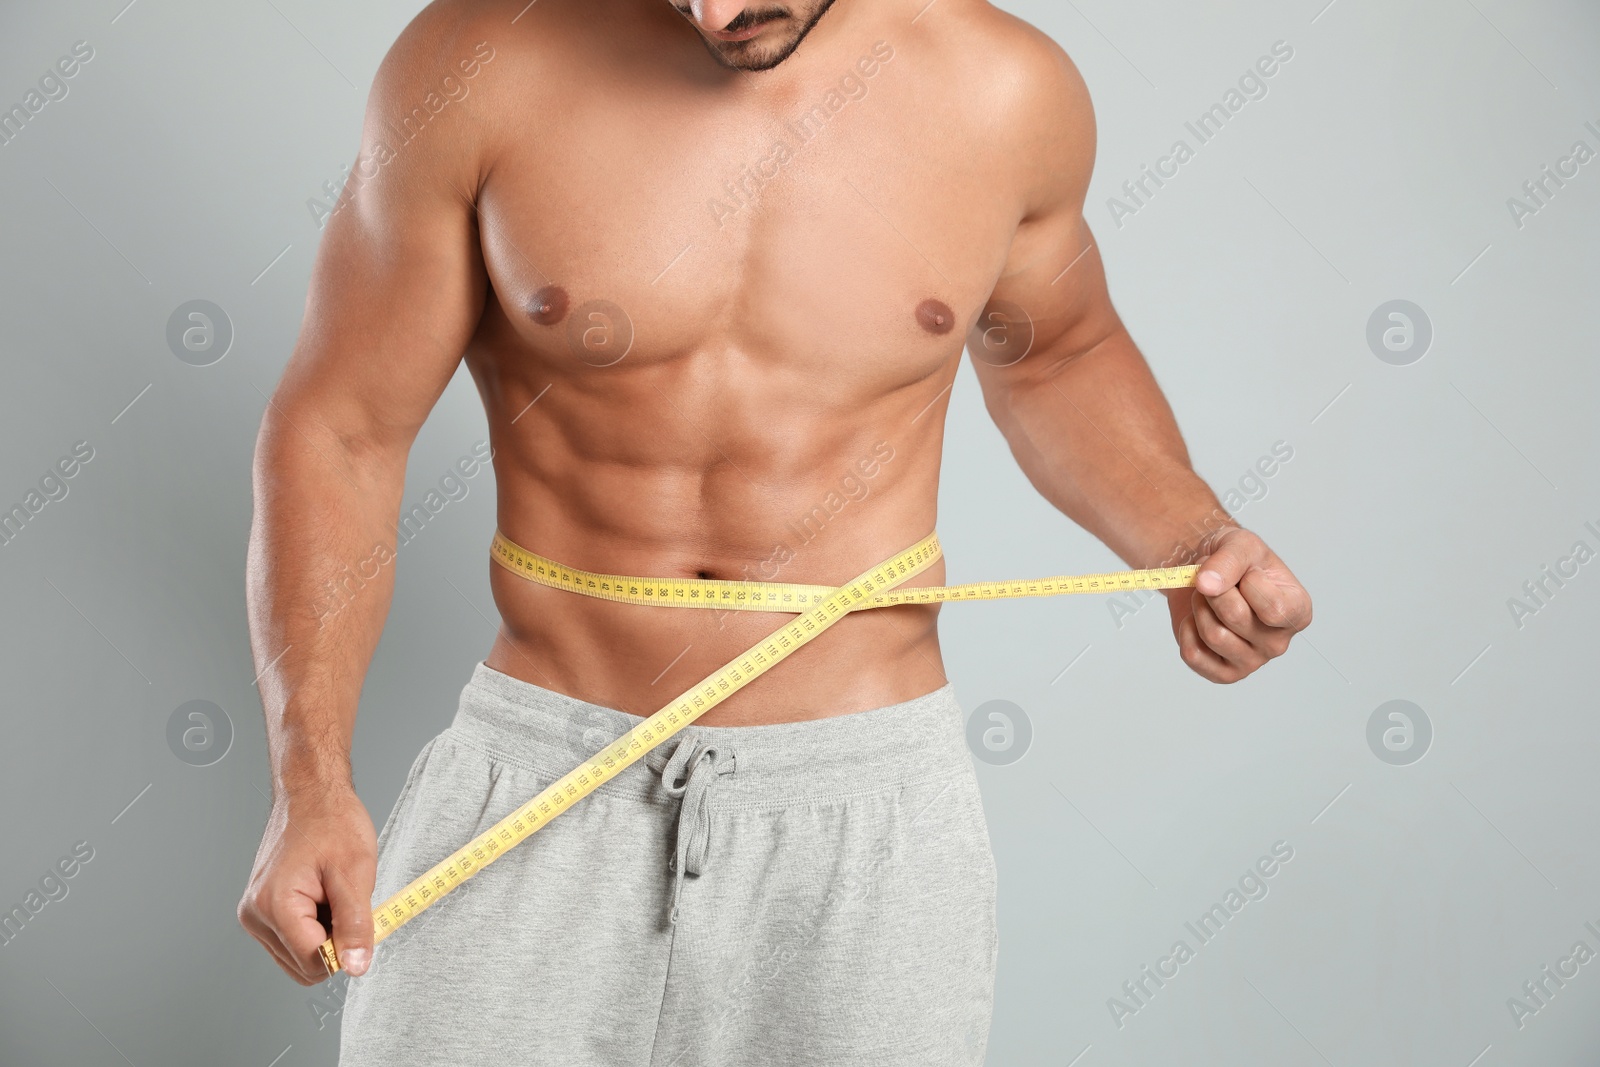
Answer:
(689, 774)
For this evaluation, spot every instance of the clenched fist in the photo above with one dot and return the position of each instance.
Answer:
(1242, 611)
(318, 848)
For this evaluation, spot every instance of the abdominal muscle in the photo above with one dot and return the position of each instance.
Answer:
(639, 658)
(626, 482)
(786, 495)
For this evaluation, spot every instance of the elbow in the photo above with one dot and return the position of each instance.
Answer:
(302, 440)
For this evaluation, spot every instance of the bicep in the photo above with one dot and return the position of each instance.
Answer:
(1057, 305)
(398, 285)
(1052, 292)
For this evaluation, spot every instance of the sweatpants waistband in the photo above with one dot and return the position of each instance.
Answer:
(860, 751)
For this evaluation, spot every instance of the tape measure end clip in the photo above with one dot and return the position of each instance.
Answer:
(330, 957)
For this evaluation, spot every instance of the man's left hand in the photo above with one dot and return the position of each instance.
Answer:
(1242, 611)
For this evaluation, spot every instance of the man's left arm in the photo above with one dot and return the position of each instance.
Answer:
(1087, 422)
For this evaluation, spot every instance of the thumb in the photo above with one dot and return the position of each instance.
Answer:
(1222, 569)
(349, 889)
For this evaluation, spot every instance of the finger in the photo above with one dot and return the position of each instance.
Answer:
(350, 894)
(281, 957)
(294, 920)
(1234, 612)
(1224, 642)
(1285, 606)
(269, 940)
(1234, 554)
(1204, 662)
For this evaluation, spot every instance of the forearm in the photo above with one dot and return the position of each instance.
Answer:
(319, 582)
(1097, 438)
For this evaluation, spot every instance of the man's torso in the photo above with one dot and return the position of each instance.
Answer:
(724, 312)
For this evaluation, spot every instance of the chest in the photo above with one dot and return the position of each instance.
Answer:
(840, 225)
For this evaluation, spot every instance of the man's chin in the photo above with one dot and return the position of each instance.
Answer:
(775, 43)
(757, 54)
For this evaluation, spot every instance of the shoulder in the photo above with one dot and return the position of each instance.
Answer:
(1022, 89)
(432, 103)
(444, 26)
(1011, 67)
(448, 39)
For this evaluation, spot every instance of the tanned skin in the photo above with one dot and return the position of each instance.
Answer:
(767, 347)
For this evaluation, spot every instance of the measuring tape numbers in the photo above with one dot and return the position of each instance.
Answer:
(817, 607)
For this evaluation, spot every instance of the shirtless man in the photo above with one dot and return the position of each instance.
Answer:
(707, 264)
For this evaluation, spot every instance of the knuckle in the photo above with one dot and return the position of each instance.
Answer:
(254, 905)
(1233, 611)
(1215, 634)
(355, 928)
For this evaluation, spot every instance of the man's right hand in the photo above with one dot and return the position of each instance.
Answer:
(319, 847)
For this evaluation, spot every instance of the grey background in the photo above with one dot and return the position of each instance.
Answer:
(1418, 500)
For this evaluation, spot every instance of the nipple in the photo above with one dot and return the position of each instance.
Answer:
(548, 306)
(936, 317)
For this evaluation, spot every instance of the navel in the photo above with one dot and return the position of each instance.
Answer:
(936, 317)
(548, 306)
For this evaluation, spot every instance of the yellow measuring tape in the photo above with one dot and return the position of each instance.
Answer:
(818, 607)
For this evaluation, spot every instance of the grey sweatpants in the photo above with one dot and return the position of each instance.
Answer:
(790, 895)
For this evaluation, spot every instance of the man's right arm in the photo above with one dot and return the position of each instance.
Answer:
(396, 294)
